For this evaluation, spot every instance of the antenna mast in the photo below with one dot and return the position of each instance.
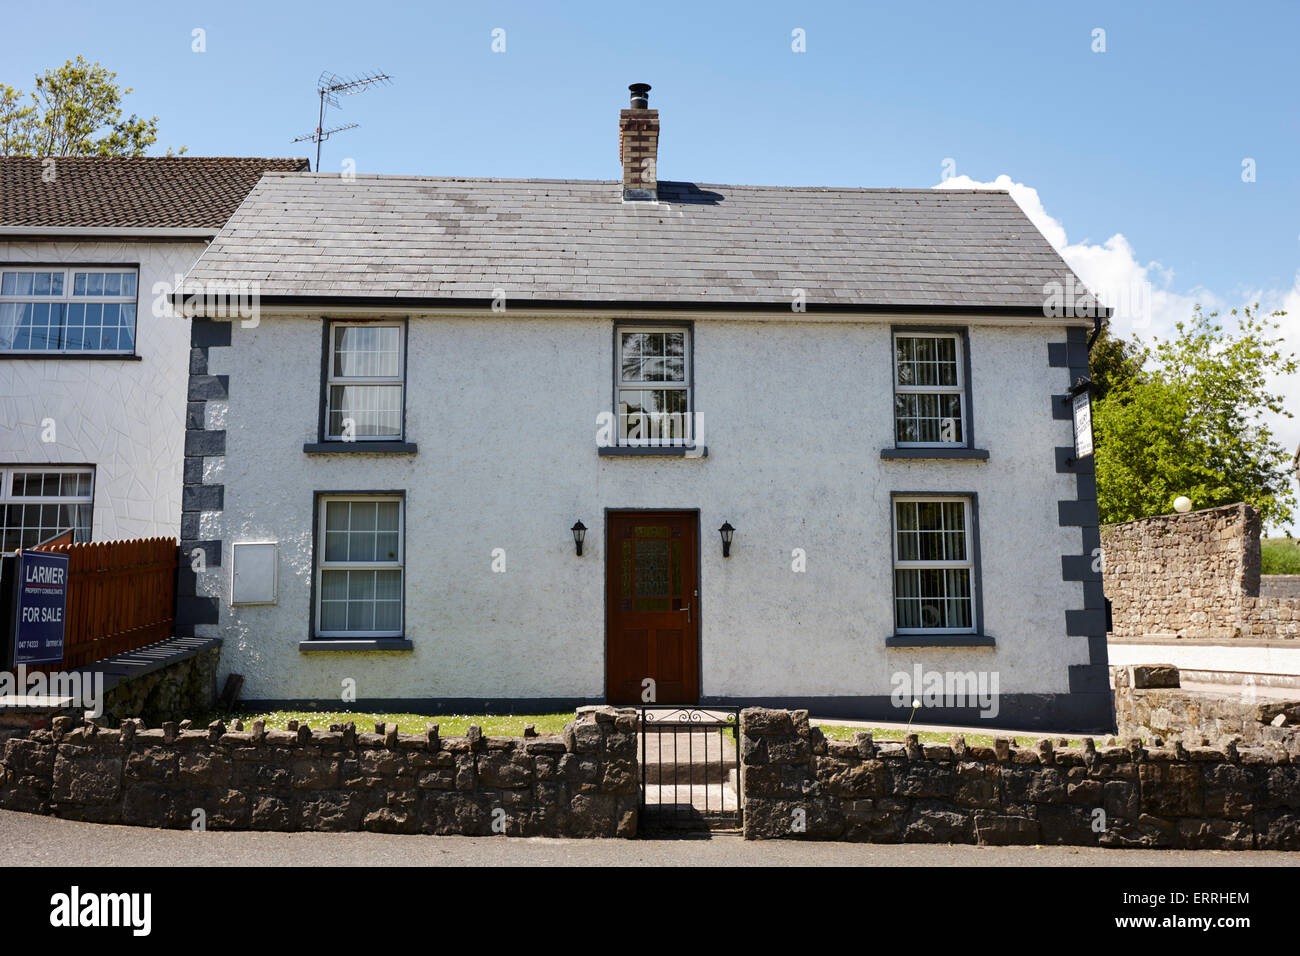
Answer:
(330, 87)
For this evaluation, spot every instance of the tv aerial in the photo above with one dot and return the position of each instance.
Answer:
(330, 87)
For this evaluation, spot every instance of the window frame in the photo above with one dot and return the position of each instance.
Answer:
(971, 502)
(319, 566)
(67, 299)
(7, 497)
(687, 384)
(328, 379)
(962, 389)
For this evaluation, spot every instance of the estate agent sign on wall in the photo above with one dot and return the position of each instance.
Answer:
(1081, 403)
(40, 605)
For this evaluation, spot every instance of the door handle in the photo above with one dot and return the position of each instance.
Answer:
(687, 609)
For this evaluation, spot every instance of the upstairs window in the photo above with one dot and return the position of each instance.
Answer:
(41, 503)
(52, 310)
(929, 390)
(654, 391)
(365, 382)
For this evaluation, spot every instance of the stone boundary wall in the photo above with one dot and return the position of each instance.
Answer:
(1149, 703)
(583, 783)
(799, 785)
(1195, 575)
(186, 686)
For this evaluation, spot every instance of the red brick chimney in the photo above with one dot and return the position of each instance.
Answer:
(638, 146)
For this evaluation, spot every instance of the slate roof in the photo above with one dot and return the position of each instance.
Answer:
(407, 239)
(127, 192)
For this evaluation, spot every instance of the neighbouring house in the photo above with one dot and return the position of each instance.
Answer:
(1187, 590)
(93, 360)
(518, 443)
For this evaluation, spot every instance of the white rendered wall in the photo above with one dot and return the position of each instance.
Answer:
(504, 411)
(125, 417)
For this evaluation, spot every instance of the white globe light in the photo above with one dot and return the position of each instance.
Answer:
(1182, 504)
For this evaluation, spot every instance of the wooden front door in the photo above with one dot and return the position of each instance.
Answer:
(652, 616)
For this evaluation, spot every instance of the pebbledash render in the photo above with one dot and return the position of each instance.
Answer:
(391, 466)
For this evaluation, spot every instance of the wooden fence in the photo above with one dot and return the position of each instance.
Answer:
(121, 596)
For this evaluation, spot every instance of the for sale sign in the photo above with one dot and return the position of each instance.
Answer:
(40, 607)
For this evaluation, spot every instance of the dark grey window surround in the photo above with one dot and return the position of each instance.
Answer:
(324, 445)
(963, 452)
(976, 639)
(315, 644)
(654, 451)
(131, 356)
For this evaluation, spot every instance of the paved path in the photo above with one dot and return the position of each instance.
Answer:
(1239, 692)
(28, 839)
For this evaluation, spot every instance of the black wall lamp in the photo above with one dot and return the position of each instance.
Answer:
(579, 534)
(726, 531)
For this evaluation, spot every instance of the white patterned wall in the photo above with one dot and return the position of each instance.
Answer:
(127, 418)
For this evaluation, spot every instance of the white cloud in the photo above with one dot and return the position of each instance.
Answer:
(1141, 294)
(1144, 296)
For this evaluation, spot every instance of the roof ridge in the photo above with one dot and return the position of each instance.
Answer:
(411, 177)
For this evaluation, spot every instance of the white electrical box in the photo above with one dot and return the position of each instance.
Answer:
(253, 572)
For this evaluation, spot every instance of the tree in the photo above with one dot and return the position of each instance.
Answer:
(1191, 423)
(1113, 361)
(75, 110)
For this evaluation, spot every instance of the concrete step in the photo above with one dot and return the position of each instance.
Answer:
(697, 756)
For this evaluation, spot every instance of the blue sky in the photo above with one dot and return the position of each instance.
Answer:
(1129, 159)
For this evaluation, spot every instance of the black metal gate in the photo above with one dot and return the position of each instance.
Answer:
(690, 768)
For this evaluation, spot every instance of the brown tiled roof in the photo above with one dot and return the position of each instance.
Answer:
(129, 193)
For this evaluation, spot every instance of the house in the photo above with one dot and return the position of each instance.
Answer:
(93, 360)
(530, 443)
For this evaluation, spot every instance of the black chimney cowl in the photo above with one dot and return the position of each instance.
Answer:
(640, 97)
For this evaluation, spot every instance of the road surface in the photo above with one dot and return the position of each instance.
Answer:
(28, 839)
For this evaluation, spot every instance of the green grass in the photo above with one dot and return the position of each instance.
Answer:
(937, 737)
(449, 725)
(512, 725)
(1281, 555)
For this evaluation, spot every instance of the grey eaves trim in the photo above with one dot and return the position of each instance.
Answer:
(142, 234)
